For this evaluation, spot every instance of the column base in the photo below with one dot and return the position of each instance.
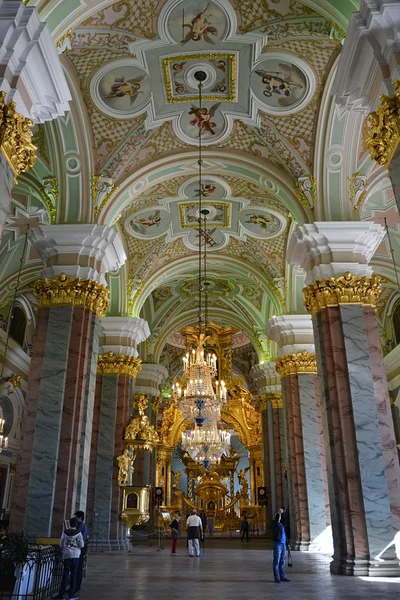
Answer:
(101, 546)
(365, 568)
(301, 546)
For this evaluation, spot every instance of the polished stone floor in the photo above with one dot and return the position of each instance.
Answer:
(229, 569)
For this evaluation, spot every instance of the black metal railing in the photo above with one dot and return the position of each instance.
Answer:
(36, 578)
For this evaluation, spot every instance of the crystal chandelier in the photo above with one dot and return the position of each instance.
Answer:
(3, 439)
(206, 445)
(202, 397)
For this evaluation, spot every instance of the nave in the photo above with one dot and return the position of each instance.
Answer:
(229, 569)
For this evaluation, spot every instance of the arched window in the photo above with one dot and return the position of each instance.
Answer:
(18, 325)
(396, 323)
(132, 501)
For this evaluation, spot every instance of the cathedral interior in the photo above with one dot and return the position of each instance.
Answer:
(199, 271)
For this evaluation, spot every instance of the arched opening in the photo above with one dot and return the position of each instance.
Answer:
(18, 325)
(396, 323)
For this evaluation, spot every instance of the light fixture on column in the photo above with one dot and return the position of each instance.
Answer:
(202, 397)
(3, 439)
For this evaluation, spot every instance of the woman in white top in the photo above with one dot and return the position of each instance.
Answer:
(194, 531)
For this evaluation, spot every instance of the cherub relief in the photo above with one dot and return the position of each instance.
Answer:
(206, 189)
(125, 87)
(203, 118)
(200, 27)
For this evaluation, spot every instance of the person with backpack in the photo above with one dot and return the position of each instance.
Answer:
(71, 543)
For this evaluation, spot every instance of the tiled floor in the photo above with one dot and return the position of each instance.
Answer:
(228, 570)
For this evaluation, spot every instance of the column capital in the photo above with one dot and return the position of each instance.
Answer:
(327, 249)
(347, 289)
(75, 292)
(276, 400)
(32, 75)
(296, 364)
(292, 333)
(115, 364)
(121, 335)
(151, 377)
(87, 251)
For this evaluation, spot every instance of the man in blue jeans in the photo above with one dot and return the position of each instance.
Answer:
(279, 547)
(71, 544)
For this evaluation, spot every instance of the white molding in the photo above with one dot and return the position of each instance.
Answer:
(32, 73)
(331, 248)
(82, 241)
(292, 333)
(132, 330)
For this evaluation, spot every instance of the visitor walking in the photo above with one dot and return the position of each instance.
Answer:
(83, 529)
(245, 528)
(279, 547)
(194, 532)
(71, 543)
(175, 533)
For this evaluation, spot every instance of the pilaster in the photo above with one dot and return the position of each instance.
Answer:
(362, 462)
(52, 468)
(296, 366)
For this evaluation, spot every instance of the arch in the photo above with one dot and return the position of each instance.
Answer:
(18, 325)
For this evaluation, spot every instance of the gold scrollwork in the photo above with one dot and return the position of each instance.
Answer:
(384, 128)
(16, 137)
(346, 289)
(294, 364)
(116, 364)
(276, 400)
(76, 292)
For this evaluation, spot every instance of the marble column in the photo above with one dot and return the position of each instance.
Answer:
(362, 462)
(52, 466)
(29, 58)
(117, 368)
(278, 456)
(300, 399)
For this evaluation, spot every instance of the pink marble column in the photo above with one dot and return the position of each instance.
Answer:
(28, 424)
(297, 462)
(90, 517)
(386, 424)
(278, 457)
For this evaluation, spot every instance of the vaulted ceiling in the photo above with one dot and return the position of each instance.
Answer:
(127, 153)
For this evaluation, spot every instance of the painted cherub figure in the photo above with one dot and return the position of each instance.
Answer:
(259, 220)
(203, 118)
(200, 27)
(125, 87)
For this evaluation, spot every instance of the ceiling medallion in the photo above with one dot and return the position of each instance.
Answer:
(219, 84)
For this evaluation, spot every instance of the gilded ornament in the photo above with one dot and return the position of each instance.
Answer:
(358, 186)
(384, 128)
(76, 292)
(102, 188)
(49, 190)
(346, 289)
(15, 381)
(116, 364)
(200, 57)
(125, 467)
(294, 364)
(16, 137)
(64, 43)
(276, 400)
(139, 432)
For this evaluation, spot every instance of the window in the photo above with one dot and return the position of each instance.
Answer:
(396, 323)
(18, 325)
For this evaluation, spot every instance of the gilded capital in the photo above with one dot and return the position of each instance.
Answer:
(294, 364)
(276, 400)
(16, 137)
(116, 364)
(384, 128)
(346, 289)
(70, 291)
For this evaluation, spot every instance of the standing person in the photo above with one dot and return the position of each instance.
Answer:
(71, 543)
(194, 531)
(175, 533)
(279, 547)
(245, 528)
(83, 528)
(203, 518)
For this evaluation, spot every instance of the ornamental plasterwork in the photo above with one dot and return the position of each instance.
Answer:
(257, 13)
(226, 216)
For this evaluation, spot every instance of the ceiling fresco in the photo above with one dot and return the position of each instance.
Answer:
(265, 66)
